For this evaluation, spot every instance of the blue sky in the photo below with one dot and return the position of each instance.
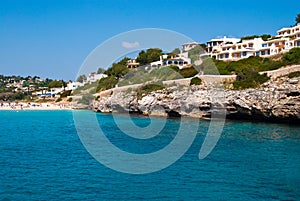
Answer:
(53, 38)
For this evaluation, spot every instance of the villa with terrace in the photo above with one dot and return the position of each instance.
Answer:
(232, 49)
(180, 60)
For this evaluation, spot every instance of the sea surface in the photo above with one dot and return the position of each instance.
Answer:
(43, 158)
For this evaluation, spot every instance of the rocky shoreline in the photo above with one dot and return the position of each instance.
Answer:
(277, 100)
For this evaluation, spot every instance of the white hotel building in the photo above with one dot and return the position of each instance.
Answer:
(231, 49)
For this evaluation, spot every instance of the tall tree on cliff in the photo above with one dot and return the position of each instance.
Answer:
(298, 18)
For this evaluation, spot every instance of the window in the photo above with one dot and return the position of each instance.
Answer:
(264, 45)
(226, 55)
(244, 54)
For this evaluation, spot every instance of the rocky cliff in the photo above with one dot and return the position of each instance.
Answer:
(277, 100)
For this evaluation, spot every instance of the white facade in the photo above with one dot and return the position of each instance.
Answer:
(188, 46)
(73, 85)
(180, 60)
(231, 49)
(93, 77)
(132, 63)
(293, 34)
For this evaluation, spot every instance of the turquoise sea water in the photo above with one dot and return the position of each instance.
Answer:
(42, 158)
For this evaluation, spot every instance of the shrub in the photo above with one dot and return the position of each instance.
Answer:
(58, 100)
(291, 57)
(55, 84)
(294, 74)
(86, 99)
(70, 99)
(65, 94)
(107, 83)
(249, 79)
(175, 68)
(148, 56)
(146, 89)
(188, 72)
(196, 81)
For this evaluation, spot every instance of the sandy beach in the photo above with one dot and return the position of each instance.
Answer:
(35, 106)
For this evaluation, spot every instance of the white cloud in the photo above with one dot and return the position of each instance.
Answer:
(129, 45)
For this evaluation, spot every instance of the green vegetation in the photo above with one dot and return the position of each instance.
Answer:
(249, 37)
(291, 57)
(88, 87)
(247, 69)
(56, 84)
(203, 45)
(188, 72)
(148, 56)
(66, 93)
(81, 78)
(176, 51)
(12, 96)
(58, 100)
(264, 37)
(174, 68)
(249, 78)
(140, 75)
(298, 18)
(119, 69)
(100, 71)
(106, 83)
(255, 62)
(148, 88)
(19, 88)
(195, 52)
(86, 99)
(294, 74)
(196, 81)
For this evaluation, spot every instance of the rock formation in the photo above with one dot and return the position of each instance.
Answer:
(277, 100)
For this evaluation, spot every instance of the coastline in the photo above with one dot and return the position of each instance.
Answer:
(277, 100)
(31, 106)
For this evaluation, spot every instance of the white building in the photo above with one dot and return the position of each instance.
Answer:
(93, 77)
(73, 85)
(188, 46)
(132, 63)
(180, 60)
(293, 33)
(231, 49)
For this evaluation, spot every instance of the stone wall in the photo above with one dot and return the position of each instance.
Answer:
(282, 71)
